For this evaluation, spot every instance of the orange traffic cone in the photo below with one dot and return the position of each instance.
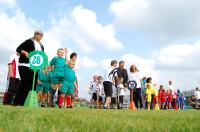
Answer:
(132, 105)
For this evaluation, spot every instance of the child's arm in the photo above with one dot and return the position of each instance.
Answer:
(39, 82)
(66, 51)
(52, 63)
(10, 71)
(90, 88)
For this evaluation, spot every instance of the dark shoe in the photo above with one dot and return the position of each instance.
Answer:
(42, 105)
(104, 107)
(70, 106)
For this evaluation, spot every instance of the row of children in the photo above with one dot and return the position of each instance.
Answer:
(165, 99)
(150, 96)
(96, 90)
(58, 78)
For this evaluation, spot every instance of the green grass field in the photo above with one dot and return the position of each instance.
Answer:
(19, 119)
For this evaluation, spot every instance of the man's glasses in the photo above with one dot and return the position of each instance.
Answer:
(40, 34)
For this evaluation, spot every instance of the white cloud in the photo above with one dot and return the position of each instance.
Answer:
(164, 19)
(179, 57)
(178, 62)
(87, 62)
(15, 29)
(81, 26)
(8, 3)
(3, 77)
(145, 66)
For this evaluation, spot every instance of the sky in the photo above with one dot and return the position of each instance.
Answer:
(162, 38)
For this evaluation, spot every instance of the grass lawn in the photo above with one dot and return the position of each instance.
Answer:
(19, 119)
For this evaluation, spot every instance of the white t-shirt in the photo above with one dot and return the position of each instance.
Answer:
(197, 94)
(101, 89)
(37, 46)
(135, 77)
(93, 87)
(171, 87)
(13, 61)
(110, 73)
(114, 92)
(122, 90)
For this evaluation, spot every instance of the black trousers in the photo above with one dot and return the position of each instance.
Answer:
(26, 75)
(13, 85)
(121, 99)
(138, 92)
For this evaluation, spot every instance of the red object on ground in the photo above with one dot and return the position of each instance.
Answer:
(61, 99)
(132, 105)
(68, 100)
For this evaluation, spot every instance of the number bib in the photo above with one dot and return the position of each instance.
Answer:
(132, 85)
(38, 60)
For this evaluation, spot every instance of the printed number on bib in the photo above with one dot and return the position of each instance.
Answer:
(36, 60)
(132, 85)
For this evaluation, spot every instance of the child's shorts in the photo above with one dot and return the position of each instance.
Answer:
(44, 88)
(148, 98)
(57, 80)
(94, 96)
(67, 88)
(113, 100)
(100, 99)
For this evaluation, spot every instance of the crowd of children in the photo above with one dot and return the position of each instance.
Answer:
(57, 82)
(152, 97)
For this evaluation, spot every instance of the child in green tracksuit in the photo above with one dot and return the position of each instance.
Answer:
(43, 86)
(57, 64)
(67, 88)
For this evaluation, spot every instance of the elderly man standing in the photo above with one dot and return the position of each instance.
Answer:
(26, 74)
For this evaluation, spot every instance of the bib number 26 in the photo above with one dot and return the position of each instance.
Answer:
(36, 60)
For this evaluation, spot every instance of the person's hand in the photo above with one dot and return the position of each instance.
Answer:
(65, 50)
(10, 74)
(25, 53)
(125, 85)
(39, 82)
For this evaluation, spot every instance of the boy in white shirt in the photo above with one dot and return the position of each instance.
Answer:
(13, 79)
(94, 90)
(109, 80)
(101, 91)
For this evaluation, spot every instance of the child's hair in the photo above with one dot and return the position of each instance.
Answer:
(71, 62)
(60, 49)
(72, 55)
(120, 78)
(99, 77)
(149, 79)
(95, 77)
(113, 62)
(133, 67)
